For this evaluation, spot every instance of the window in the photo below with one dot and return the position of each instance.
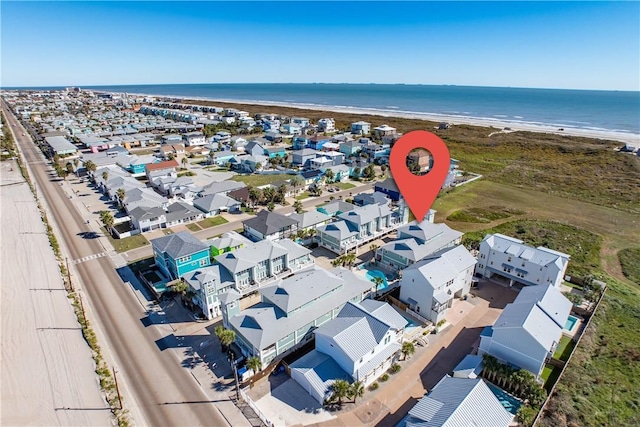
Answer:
(232, 304)
(509, 259)
(203, 262)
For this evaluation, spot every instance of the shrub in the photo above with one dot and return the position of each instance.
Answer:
(395, 368)
(384, 377)
(374, 386)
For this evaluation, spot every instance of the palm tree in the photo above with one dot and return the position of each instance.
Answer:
(378, 281)
(356, 390)
(311, 232)
(373, 247)
(76, 163)
(107, 219)
(350, 259)
(490, 366)
(271, 206)
(90, 166)
(296, 182)
(120, 194)
(69, 169)
(297, 206)
(255, 194)
(184, 162)
(105, 176)
(329, 175)
(407, 349)
(254, 364)
(339, 390)
(226, 336)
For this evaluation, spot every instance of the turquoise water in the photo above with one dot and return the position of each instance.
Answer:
(586, 109)
(411, 324)
(377, 273)
(571, 323)
(509, 402)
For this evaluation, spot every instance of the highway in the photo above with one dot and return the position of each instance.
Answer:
(158, 388)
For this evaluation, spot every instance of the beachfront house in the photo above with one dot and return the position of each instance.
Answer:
(415, 242)
(179, 253)
(509, 260)
(528, 331)
(358, 226)
(361, 128)
(290, 309)
(430, 286)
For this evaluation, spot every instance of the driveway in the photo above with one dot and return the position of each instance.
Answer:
(289, 405)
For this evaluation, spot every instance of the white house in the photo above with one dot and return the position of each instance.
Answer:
(458, 402)
(415, 242)
(363, 341)
(326, 125)
(430, 286)
(206, 284)
(195, 138)
(509, 258)
(528, 330)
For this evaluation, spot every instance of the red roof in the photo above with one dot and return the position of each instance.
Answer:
(162, 165)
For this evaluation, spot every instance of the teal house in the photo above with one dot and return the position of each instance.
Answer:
(179, 253)
(274, 152)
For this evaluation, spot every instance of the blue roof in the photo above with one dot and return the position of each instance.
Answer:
(487, 331)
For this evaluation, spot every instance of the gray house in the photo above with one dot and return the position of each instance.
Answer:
(269, 225)
(291, 309)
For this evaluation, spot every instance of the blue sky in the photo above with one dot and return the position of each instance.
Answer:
(582, 45)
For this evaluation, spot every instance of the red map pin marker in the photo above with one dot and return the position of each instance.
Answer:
(419, 191)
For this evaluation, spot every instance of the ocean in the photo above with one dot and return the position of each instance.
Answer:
(615, 111)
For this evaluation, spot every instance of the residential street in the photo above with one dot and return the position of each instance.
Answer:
(157, 389)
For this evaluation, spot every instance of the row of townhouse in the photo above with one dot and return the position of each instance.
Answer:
(357, 225)
(230, 262)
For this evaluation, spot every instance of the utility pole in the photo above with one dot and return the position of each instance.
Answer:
(235, 374)
(115, 379)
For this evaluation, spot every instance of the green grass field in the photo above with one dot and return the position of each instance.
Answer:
(259, 180)
(212, 222)
(126, 244)
(303, 195)
(344, 185)
(630, 263)
(193, 227)
(483, 215)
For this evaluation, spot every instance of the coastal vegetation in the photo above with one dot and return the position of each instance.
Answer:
(630, 263)
(483, 215)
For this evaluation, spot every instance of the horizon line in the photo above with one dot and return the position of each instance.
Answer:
(311, 83)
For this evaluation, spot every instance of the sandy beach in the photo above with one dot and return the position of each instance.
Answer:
(624, 137)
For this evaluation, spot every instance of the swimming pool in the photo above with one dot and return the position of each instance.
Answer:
(507, 401)
(571, 323)
(377, 273)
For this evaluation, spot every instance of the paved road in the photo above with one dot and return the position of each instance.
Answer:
(309, 203)
(163, 392)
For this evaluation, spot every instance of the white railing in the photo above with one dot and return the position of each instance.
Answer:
(416, 315)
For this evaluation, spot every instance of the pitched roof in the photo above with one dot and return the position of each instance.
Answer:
(355, 331)
(162, 165)
(515, 247)
(178, 245)
(549, 299)
(457, 402)
(180, 210)
(142, 213)
(320, 371)
(212, 202)
(364, 214)
(263, 324)
(339, 230)
(229, 240)
(444, 266)
(310, 218)
(214, 274)
(388, 184)
(222, 187)
(266, 222)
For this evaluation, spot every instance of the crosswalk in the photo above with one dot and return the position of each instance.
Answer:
(89, 257)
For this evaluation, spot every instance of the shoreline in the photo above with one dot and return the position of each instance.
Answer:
(497, 124)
